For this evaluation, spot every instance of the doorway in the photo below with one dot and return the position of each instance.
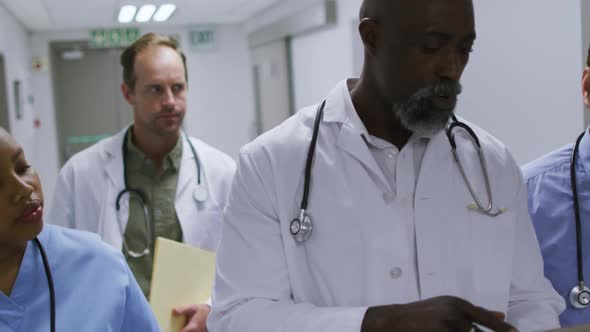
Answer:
(89, 103)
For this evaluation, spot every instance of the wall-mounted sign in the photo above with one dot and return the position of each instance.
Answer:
(202, 38)
(113, 38)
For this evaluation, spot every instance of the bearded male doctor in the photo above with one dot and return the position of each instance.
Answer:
(354, 215)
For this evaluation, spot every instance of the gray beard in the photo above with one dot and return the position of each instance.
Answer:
(419, 115)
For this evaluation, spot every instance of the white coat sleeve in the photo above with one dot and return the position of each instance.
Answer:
(61, 211)
(534, 305)
(252, 290)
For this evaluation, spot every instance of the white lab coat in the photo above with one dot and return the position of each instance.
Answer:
(266, 281)
(90, 181)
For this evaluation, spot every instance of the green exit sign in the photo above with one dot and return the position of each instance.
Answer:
(202, 38)
(113, 38)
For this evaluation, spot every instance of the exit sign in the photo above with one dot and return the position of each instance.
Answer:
(202, 38)
(113, 38)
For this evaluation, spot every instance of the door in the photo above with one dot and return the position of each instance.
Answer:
(4, 112)
(272, 84)
(89, 103)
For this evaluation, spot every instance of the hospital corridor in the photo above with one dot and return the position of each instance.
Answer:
(294, 165)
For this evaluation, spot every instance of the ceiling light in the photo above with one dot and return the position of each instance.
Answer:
(127, 13)
(164, 12)
(145, 13)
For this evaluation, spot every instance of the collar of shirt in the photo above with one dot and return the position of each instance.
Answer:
(354, 120)
(137, 159)
(584, 154)
(30, 283)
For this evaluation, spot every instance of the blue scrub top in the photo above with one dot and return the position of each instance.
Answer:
(94, 288)
(552, 211)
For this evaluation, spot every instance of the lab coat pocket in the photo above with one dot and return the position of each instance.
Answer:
(492, 245)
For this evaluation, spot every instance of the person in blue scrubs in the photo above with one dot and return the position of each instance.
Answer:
(94, 290)
(551, 206)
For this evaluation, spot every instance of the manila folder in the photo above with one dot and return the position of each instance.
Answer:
(181, 275)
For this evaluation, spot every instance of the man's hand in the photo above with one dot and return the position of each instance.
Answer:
(440, 314)
(196, 316)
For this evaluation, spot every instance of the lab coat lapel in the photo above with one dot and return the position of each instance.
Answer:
(349, 137)
(351, 141)
(188, 169)
(112, 156)
(113, 223)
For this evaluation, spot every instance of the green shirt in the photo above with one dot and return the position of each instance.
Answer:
(159, 187)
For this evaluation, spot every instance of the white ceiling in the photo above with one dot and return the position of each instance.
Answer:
(41, 15)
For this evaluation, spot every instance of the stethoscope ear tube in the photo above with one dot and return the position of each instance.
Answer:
(479, 204)
(49, 283)
(200, 194)
(304, 224)
(302, 227)
(580, 294)
(457, 123)
(142, 198)
(310, 155)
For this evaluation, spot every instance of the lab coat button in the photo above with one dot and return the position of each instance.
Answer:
(396, 272)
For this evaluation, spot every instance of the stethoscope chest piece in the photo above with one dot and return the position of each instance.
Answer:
(301, 228)
(580, 297)
(200, 194)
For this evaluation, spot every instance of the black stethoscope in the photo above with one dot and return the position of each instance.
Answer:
(580, 294)
(49, 282)
(200, 194)
(302, 227)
